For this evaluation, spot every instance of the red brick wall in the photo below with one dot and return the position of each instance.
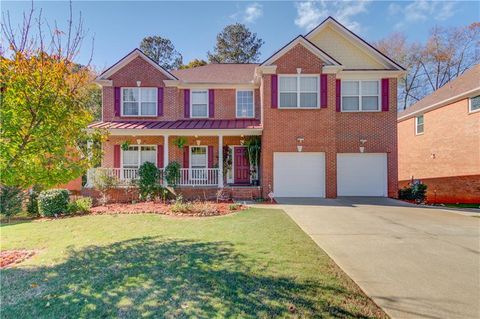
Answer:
(140, 70)
(456, 189)
(449, 146)
(324, 129)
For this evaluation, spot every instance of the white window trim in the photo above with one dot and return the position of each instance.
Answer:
(416, 124)
(470, 105)
(360, 96)
(236, 103)
(298, 91)
(190, 155)
(138, 154)
(191, 104)
(139, 101)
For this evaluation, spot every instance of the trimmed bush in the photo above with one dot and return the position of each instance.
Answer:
(10, 201)
(414, 191)
(32, 204)
(148, 182)
(81, 205)
(53, 202)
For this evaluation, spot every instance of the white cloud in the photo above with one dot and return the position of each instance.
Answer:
(249, 14)
(310, 14)
(253, 12)
(422, 10)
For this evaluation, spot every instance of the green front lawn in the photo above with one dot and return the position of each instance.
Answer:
(253, 264)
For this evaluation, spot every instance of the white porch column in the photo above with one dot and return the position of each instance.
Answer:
(165, 150)
(220, 161)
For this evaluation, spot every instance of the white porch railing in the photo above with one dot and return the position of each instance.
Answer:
(198, 177)
(188, 176)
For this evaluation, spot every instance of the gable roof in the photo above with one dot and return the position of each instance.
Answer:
(128, 58)
(308, 45)
(228, 73)
(357, 40)
(465, 85)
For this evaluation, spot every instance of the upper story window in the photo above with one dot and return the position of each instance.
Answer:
(298, 91)
(475, 103)
(139, 101)
(419, 125)
(360, 96)
(199, 103)
(245, 104)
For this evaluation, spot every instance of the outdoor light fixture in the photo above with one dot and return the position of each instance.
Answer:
(242, 140)
(433, 156)
(300, 140)
(139, 141)
(139, 83)
(198, 142)
(362, 145)
(299, 70)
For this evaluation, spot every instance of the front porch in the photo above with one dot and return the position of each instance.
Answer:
(203, 161)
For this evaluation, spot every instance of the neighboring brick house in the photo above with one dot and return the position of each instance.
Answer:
(439, 141)
(324, 106)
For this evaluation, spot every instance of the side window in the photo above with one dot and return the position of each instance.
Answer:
(419, 125)
(475, 103)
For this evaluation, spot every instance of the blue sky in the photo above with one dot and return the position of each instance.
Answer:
(118, 27)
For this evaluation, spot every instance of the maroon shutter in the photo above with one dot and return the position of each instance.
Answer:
(160, 156)
(160, 102)
(117, 101)
(385, 95)
(338, 92)
(116, 156)
(186, 103)
(274, 91)
(323, 90)
(211, 103)
(186, 154)
(210, 157)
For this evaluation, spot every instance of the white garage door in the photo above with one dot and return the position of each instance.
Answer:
(299, 174)
(362, 174)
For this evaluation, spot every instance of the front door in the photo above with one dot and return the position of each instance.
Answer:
(241, 165)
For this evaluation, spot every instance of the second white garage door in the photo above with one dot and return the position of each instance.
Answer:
(299, 174)
(362, 174)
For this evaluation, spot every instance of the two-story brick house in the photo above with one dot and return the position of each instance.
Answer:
(324, 106)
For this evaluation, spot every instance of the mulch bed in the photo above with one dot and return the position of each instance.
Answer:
(217, 209)
(13, 257)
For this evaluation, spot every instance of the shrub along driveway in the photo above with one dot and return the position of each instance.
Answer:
(252, 264)
(414, 262)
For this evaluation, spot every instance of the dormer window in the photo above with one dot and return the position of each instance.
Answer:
(137, 101)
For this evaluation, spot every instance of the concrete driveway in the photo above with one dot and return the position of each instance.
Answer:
(413, 262)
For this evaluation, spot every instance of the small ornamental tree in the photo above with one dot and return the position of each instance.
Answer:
(45, 106)
(103, 182)
(148, 182)
(10, 201)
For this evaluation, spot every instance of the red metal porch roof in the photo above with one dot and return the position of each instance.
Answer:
(180, 124)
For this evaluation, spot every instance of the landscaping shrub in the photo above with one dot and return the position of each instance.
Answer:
(53, 202)
(181, 207)
(148, 183)
(172, 173)
(234, 206)
(81, 205)
(32, 204)
(10, 201)
(414, 191)
(103, 181)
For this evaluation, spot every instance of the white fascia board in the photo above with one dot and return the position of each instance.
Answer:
(353, 38)
(366, 74)
(307, 45)
(453, 99)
